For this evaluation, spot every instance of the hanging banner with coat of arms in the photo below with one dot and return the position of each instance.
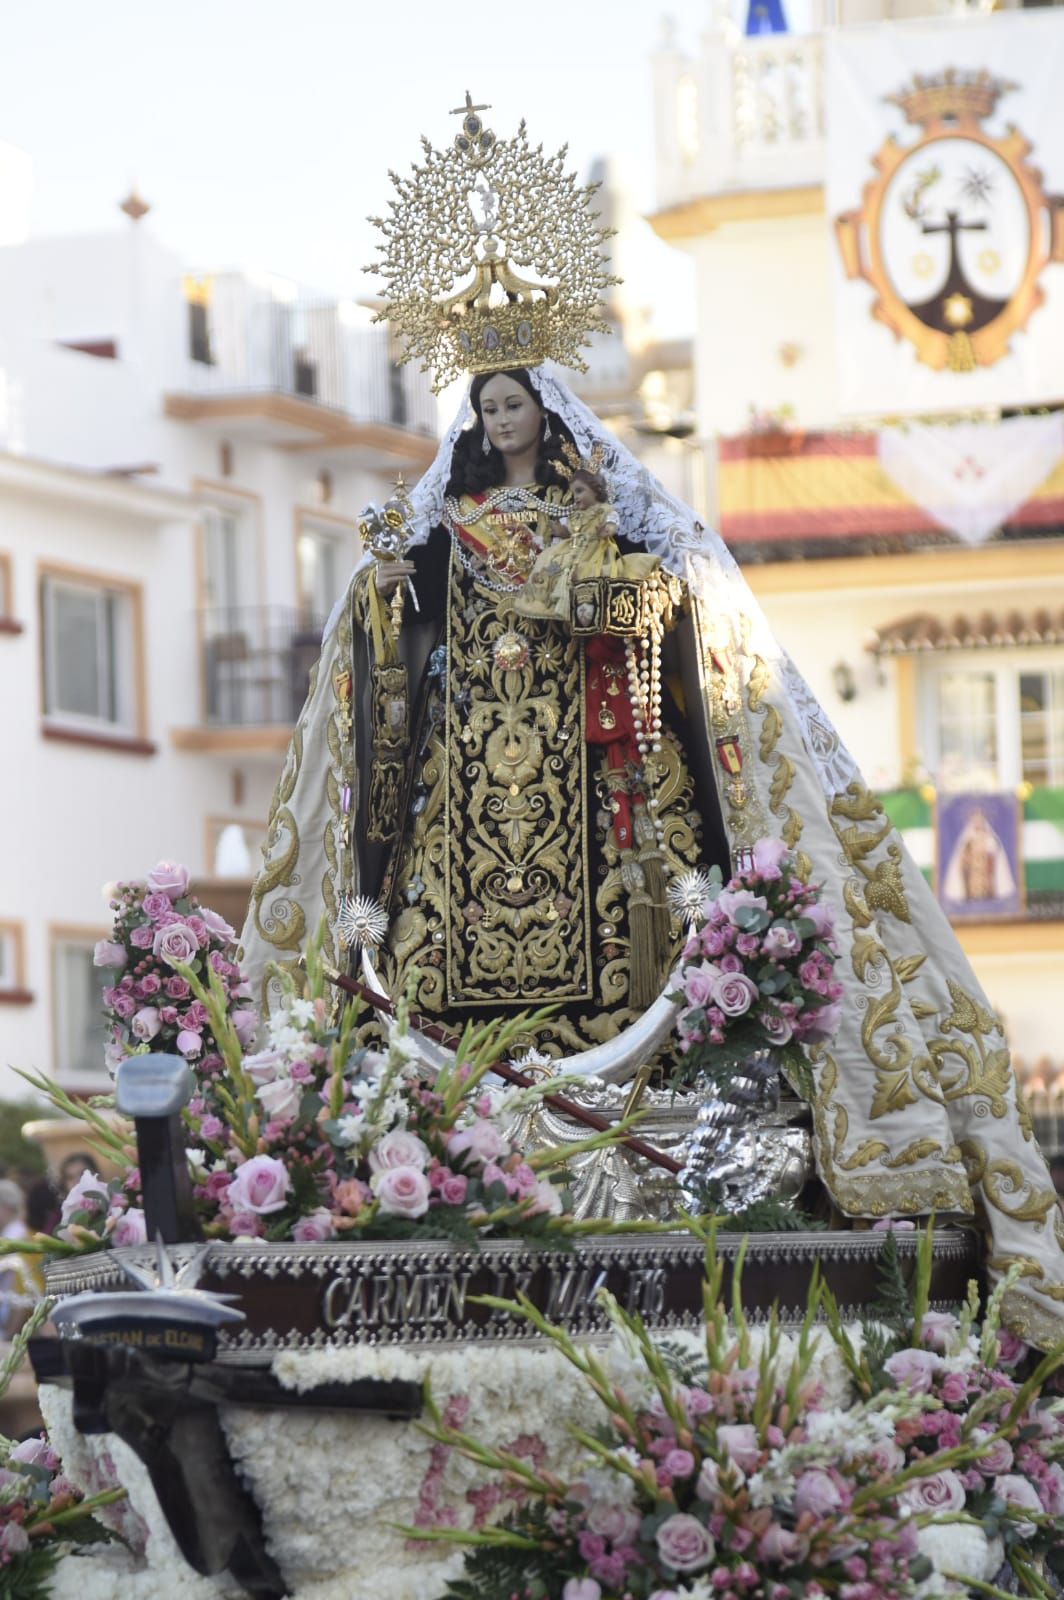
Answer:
(945, 195)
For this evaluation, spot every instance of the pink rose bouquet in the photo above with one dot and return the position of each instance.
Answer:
(315, 1137)
(757, 972)
(42, 1513)
(160, 928)
(742, 1473)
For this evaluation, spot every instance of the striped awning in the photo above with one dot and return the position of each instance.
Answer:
(985, 631)
(784, 487)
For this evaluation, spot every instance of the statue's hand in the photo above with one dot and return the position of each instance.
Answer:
(390, 573)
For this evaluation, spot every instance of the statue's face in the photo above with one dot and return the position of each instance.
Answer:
(583, 495)
(512, 419)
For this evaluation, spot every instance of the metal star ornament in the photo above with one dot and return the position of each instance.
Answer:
(362, 922)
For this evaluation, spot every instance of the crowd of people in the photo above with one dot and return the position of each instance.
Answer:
(28, 1205)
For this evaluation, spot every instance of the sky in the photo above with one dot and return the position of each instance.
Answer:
(261, 131)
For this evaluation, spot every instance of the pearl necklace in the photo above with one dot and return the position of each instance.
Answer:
(509, 497)
(644, 690)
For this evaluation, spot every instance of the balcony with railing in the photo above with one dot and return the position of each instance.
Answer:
(255, 664)
(747, 114)
(301, 374)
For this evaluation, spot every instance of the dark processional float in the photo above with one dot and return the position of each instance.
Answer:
(561, 1229)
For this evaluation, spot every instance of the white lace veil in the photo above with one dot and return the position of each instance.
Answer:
(649, 515)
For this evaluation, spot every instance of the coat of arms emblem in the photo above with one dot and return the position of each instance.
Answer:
(955, 229)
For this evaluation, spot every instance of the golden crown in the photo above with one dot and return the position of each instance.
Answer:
(459, 229)
(950, 95)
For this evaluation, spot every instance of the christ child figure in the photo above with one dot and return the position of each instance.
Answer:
(587, 549)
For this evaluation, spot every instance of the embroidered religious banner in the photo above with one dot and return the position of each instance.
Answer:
(945, 192)
(978, 864)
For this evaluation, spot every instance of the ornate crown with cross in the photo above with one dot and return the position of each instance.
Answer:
(459, 229)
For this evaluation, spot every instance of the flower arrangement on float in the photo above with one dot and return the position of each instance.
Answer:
(903, 1458)
(756, 972)
(160, 928)
(313, 1137)
(41, 1511)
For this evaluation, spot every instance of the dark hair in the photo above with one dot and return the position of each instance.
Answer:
(82, 1157)
(594, 480)
(474, 469)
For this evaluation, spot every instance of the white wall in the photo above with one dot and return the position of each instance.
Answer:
(760, 286)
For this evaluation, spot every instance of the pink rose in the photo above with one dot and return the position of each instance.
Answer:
(453, 1189)
(142, 937)
(698, 983)
(708, 1486)
(88, 1194)
(398, 1148)
(768, 855)
(175, 942)
(35, 1453)
(313, 1229)
(817, 1492)
(777, 1028)
(130, 1228)
(168, 878)
(246, 1225)
(156, 906)
(350, 1196)
(402, 1191)
(887, 1456)
(679, 1463)
(821, 917)
(734, 993)
(280, 1100)
(122, 1004)
(13, 1540)
(739, 1440)
(109, 953)
(781, 941)
(614, 1523)
(995, 1460)
(145, 1023)
(581, 1589)
(177, 988)
(148, 985)
(913, 1369)
(216, 924)
(1019, 1492)
(261, 1185)
(1010, 1348)
(684, 1543)
(729, 901)
(938, 1329)
(481, 1141)
(824, 1021)
(263, 1067)
(781, 1546)
(218, 1185)
(189, 1042)
(940, 1491)
(246, 1023)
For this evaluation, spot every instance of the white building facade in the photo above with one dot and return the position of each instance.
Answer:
(971, 692)
(183, 459)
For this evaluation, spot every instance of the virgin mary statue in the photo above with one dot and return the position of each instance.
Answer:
(512, 794)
